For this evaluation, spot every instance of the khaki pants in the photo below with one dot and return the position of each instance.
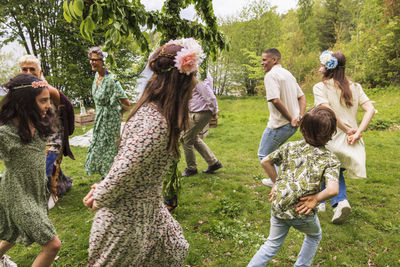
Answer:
(191, 139)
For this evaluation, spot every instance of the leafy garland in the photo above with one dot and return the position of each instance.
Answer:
(125, 18)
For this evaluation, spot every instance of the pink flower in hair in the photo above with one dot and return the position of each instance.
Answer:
(39, 84)
(190, 57)
(185, 61)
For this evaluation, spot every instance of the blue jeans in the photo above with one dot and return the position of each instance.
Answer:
(277, 234)
(274, 138)
(342, 195)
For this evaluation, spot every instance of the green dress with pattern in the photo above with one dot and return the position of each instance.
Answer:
(107, 124)
(24, 215)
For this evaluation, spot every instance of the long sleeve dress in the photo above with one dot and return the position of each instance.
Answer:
(107, 125)
(23, 189)
(132, 226)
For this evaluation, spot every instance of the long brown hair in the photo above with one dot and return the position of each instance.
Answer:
(170, 90)
(20, 103)
(339, 77)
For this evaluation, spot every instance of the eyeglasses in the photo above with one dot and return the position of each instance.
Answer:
(31, 69)
(95, 59)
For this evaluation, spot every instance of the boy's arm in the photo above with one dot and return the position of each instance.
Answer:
(307, 203)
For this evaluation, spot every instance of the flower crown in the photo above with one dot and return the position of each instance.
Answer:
(329, 61)
(188, 59)
(33, 84)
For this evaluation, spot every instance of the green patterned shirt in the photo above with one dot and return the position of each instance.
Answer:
(302, 168)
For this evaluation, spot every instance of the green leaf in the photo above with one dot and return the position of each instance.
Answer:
(90, 24)
(66, 13)
(82, 29)
(72, 10)
(78, 7)
(116, 37)
(99, 11)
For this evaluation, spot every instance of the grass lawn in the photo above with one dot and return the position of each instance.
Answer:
(225, 216)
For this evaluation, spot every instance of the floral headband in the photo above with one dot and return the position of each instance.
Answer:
(33, 84)
(329, 61)
(188, 59)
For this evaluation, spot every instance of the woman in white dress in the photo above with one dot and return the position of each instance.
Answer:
(344, 97)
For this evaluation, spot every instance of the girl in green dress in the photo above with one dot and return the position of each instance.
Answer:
(25, 123)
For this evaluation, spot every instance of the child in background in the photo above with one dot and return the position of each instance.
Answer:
(304, 165)
(25, 124)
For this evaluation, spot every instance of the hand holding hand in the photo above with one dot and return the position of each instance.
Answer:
(88, 200)
(295, 121)
(306, 204)
(350, 131)
(352, 139)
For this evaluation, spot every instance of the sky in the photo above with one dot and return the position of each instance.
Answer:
(223, 8)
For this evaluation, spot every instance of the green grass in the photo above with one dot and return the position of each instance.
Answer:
(225, 216)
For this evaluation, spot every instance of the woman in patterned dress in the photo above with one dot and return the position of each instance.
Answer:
(108, 97)
(132, 226)
(25, 125)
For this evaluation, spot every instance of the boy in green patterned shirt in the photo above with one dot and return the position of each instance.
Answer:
(303, 165)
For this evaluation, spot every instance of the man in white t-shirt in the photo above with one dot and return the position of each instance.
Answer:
(286, 104)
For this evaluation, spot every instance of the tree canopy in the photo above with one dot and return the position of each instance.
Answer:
(125, 18)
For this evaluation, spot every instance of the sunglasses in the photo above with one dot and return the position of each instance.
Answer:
(95, 59)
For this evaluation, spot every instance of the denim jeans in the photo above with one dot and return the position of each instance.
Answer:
(277, 234)
(274, 138)
(342, 195)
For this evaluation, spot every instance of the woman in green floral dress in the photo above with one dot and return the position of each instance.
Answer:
(108, 97)
(25, 124)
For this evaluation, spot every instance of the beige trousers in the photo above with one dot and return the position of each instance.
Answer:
(191, 140)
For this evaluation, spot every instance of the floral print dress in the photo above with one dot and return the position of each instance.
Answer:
(107, 125)
(24, 215)
(132, 226)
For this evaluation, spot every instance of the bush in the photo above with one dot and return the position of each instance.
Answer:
(380, 124)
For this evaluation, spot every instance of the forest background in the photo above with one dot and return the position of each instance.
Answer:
(366, 31)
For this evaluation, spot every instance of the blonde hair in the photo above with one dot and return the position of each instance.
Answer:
(29, 59)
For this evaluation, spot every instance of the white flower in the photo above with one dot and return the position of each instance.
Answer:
(325, 57)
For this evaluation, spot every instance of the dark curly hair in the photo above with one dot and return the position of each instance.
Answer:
(170, 90)
(318, 125)
(20, 104)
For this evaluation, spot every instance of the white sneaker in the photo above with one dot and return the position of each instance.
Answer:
(321, 207)
(267, 182)
(341, 212)
(6, 262)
